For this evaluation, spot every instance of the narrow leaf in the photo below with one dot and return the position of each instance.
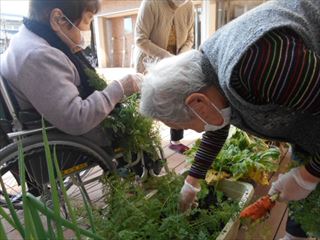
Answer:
(40, 232)
(48, 212)
(88, 209)
(3, 234)
(66, 199)
(29, 229)
(17, 223)
(7, 217)
(54, 190)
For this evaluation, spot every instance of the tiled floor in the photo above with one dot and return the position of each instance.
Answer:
(271, 229)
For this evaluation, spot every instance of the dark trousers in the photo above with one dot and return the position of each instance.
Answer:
(294, 228)
(176, 134)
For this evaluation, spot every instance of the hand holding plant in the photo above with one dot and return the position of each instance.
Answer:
(293, 185)
(131, 83)
(132, 132)
(188, 195)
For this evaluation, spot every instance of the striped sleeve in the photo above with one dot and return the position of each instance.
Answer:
(280, 69)
(313, 166)
(210, 146)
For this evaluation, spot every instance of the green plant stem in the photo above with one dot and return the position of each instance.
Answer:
(7, 217)
(40, 232)
(29, 227)
(3, 235)
(64, 192)
(50, 229)
(16, 223)
(48, 212)
(54, 189)
(88, 209)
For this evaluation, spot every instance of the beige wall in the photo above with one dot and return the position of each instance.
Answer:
(110, 6)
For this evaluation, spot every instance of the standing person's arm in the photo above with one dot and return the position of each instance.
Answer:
(144, 26)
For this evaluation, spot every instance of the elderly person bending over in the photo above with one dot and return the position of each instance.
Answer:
(261, 73)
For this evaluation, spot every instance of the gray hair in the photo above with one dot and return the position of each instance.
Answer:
(167, 85)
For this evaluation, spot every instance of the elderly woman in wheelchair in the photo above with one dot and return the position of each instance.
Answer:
(43, 74)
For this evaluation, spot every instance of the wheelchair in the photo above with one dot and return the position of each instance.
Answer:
(81, 162)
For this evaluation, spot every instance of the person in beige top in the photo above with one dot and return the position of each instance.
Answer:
(163, 29)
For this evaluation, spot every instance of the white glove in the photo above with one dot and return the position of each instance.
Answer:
(131, 83)
(292, 186)
(188, 195)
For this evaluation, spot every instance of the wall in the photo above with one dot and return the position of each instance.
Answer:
(112, 6)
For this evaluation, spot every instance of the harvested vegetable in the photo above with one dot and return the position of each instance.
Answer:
(242, 157)
(260, 208)
(261, 177)
(214, 176)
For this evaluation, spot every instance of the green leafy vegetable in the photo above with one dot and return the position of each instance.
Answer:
(244, 157)
(132, 132)
(132, 215)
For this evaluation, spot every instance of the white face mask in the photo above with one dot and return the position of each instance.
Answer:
(82, 43)
(179, 3)
(87, 38)
(225, 113)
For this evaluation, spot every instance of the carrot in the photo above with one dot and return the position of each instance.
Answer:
(259, 208)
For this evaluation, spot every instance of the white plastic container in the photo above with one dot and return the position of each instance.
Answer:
(242, 192)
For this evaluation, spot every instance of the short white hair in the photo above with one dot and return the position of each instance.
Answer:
(167, 85)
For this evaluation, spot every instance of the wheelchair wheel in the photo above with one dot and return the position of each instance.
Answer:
(81, 163)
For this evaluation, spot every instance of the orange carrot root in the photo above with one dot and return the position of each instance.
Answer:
(258, 209)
